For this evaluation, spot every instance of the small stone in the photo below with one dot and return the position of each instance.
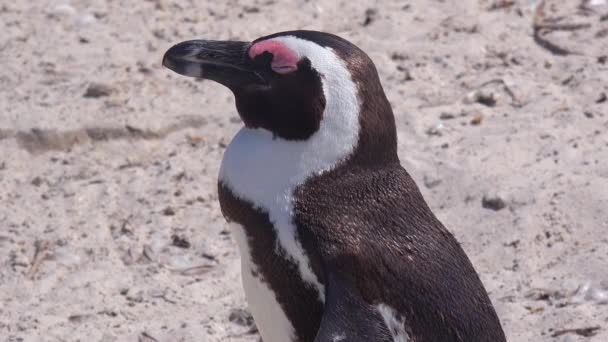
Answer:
(209, 257)
(145, 337)
(241, 317)
(493, 202)
(251, 9)
(488, 99)
(514, 243)
(446, 116)
(136, 297)
(180, 242)
(397, 56)
(501, 4)
(157, 293)
(148, 254)
(485, 97)
(370, 16)
(195, 140)
(431, 182)
(168, 211)
(407, 76)
(435, 130)
(196, 270)
(78, 318)
(37, 181)
(477, 119)
(96, 90)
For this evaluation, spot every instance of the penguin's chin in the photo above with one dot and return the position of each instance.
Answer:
(224, 62)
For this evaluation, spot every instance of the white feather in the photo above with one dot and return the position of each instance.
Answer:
(273, 324)
(394, 322)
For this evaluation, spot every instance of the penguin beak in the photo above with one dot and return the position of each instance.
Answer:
(225, 62)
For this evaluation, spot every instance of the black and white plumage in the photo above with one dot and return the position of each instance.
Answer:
(336, 241)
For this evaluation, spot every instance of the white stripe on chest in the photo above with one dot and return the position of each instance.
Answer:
(273, 324)
(265, 170)
(395, 323)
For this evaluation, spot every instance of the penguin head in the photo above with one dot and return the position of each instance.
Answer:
(295, 84)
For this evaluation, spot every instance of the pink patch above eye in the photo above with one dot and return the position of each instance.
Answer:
(284, 60)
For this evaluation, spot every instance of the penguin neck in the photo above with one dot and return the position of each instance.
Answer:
(264, 169)
(377, 144)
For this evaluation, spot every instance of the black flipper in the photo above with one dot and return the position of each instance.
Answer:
(347, 317)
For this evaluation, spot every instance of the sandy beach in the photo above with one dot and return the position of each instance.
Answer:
(110, 228)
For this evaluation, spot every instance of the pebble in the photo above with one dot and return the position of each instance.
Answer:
(157, 293)
(145, 337)
(371, 14)
(446, 116)
(481, 96)
(168, 211)
(135, 296)
(435, 130)
(241, 317)
(96, 90)
(37, 181)
(180, 242)
(477, 119)
(493, 202)
(431, 182)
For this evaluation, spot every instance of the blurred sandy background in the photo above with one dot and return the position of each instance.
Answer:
(109, 222)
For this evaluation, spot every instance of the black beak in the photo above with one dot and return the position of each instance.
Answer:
(225, 62)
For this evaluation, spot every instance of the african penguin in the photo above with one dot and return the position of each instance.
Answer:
(336, 241)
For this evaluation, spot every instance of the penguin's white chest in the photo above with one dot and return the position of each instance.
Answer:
(264, 171)
(270, 319)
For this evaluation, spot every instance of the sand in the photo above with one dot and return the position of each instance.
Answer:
(110, 228)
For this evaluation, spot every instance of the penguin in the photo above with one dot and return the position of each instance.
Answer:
(336, 241)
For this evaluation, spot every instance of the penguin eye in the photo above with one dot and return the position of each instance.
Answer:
(263, 60)
(283, 69)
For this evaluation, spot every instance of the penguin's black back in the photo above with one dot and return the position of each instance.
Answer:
(375, 227)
